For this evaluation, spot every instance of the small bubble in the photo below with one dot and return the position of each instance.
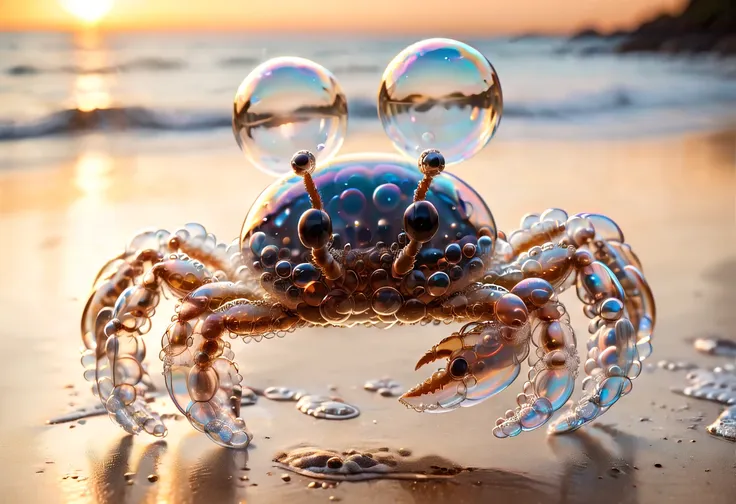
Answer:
(282, 394)
(286, 477)
(153, 478)
(328, 408)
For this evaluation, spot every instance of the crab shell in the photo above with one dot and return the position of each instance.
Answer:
(366, 197)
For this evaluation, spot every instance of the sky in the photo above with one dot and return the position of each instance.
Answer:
(482, 17)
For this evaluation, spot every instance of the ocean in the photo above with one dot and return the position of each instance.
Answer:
(147, 85)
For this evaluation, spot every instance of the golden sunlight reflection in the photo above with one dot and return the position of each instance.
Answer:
(93, 81)
(88, 11)
(92, 173)
(90, 93)
(287, 130)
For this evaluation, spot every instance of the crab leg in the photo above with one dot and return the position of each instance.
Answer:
(200, 374)
(119, 311)
(616, 297)
(554, 361)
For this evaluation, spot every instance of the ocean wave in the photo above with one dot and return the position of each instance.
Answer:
(139, 64)
(580, 107)
(111, 119)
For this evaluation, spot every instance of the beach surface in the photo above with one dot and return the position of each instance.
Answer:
(63, 214)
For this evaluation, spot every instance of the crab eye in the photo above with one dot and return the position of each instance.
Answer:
(459, 367)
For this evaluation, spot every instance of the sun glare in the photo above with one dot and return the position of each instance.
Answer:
(88, 11)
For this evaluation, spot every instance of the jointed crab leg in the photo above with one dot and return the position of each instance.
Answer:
(613, 351)
(555, 361)
(119, 311)
(202, 378)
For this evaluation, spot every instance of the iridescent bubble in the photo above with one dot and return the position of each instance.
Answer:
(442, 94)
(285, 105)
(386, 197)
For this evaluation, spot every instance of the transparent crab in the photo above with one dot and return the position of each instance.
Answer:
(376, 240)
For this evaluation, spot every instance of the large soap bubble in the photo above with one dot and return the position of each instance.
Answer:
(285, 105)
(441, 94)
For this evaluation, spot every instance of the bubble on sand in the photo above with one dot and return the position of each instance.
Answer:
(725, 425)
(716, 346)
(248, 398)
(385, 387)
(283, 394)
(675, 366)
(328, 408)
(717, 384)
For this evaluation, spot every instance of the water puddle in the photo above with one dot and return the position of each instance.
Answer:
(361, 465)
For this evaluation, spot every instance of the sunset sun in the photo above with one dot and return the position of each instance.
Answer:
(88, 11)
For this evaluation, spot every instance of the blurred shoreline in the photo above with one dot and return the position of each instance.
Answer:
(62, 85)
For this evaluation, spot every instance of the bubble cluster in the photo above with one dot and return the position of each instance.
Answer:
(286, 105)
(357, 465)
(385, 387)
(366, 197)
(328, 408)
(443, 94)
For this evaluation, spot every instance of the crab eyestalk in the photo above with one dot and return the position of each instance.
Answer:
(421, 219)
(315, 225)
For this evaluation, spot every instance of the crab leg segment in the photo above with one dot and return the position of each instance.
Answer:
(421, 219)
(613, 349)
(200, 374)
(120, 309)
(617, 299)
(554, 361)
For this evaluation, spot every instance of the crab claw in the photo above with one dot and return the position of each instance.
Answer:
(442, 350)
(479, 364)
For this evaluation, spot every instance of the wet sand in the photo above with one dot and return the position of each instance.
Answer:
(60, 220)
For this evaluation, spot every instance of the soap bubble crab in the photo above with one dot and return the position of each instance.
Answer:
(375, 240)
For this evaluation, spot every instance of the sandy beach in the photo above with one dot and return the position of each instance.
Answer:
(62, 219)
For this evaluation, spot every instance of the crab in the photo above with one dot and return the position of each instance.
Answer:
(375, 240)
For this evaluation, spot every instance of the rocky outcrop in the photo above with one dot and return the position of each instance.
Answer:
(704, 26)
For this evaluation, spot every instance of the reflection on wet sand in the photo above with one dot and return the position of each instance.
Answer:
(127, 474)
(598, 466)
